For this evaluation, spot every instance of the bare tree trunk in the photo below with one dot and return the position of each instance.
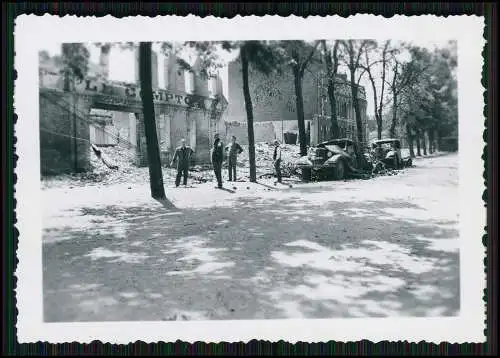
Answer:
(377, 110)
(432, 141)
(308, 133)
(417, 138)
(355, 102)
(409, 136)
(392, 130)
(379, 117)
(437, 139)
(334, 126)
(299, 102)
(379, 126)
(153, 150)
(424, 143)
(249, 110)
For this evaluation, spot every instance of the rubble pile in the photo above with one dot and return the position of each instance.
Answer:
(128, 172)
(99, 173)
(264, 159)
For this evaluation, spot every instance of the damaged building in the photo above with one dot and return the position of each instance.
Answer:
(274, 108)
(98, 111)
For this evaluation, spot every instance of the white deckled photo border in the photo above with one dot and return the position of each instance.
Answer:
(31, 32)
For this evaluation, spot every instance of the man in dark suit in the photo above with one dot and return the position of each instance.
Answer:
(277, 160)
(183, 156)
(217, 158)
(233, 150)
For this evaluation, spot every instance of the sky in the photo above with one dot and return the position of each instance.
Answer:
(122, 67)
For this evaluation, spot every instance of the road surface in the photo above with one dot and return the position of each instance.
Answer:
(387, 246)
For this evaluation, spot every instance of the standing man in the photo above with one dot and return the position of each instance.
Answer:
(217, 158)
(183, 156)
(234, 149)
(277, 159)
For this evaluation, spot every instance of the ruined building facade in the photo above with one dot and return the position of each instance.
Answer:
(71, 120)
(274, 108)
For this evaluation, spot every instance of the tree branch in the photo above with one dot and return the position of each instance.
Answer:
(360, 51)
(369, 66)
(360, 76)
(336, 56)
(384, 63)
(304, 64)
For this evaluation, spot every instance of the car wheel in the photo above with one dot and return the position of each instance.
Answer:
(307, 174)
(339, 171)
(396, 163)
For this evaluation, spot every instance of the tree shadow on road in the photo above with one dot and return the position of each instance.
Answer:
(167, 204)
(261, 258)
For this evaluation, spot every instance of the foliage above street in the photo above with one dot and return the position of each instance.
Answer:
(413, 89)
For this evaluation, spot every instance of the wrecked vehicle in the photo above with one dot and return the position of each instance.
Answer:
(388, 151)
(332, 159)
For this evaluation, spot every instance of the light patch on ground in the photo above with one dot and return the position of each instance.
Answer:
(85, 287)
(291, 309)
(445, 245)
(327, 214)
(179, 315)
(378, 308)
(198, 253)
(129, 295)
(306, 244)
(154, 295)
(370, 258)
(103, 253)
(408, 213)
(53, 232)
(97, 304)
(358, 212)
(169, 252)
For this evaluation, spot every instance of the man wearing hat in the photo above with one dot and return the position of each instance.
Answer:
(233, 150)
(217, 158)
(277, 159)
(183, 156)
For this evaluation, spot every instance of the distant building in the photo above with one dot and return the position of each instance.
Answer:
(273, 100)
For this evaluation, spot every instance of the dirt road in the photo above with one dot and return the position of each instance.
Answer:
(361, 248)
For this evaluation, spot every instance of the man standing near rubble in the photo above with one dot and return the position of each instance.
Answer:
(277, 160)
(217, 158)
(183, 156)
(233, 150)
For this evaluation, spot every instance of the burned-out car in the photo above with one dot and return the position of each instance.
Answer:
(388, 151)
(332, 159)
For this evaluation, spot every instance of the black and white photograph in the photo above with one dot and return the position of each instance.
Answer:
(259, 180)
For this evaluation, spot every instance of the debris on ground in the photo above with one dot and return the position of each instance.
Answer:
(264, 160)
(111, 165)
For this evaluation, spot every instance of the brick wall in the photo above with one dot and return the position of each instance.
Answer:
(273, 97)
(263, 131)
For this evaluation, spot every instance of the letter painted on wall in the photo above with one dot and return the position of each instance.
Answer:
(117, 93)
